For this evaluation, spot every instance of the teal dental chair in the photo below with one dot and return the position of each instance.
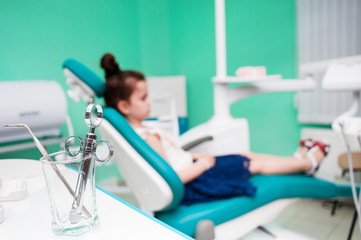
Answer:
(159, 190)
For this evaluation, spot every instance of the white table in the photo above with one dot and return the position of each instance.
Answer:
(30, 218)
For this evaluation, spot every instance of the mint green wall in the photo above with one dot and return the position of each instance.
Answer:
(265, 34)
(37, 36)
(161, 37)
(259, 32)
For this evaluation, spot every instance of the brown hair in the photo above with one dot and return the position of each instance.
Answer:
(119, 84)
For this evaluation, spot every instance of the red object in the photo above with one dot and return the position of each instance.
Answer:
(308, 143)
(324, 147)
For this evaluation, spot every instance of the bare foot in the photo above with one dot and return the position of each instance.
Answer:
(305, 145)
(301, 153)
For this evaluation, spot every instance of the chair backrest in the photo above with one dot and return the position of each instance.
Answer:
(154, 183)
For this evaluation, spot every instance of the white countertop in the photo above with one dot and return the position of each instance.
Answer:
(30, 218)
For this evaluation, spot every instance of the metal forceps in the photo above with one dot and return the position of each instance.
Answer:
(88, 147)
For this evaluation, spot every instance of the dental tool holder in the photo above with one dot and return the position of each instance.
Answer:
(62, 202)
(73, 214)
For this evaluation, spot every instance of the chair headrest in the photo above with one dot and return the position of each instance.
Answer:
(92, 80)
(152, 157)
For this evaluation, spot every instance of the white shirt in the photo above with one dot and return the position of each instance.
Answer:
(176, 156)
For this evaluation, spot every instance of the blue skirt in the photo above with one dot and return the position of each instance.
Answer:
(228, 178)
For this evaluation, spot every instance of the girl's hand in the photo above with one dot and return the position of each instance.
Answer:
(203, 163)
(208, 161)
(202, 155)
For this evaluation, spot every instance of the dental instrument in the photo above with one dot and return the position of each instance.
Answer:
(36, 140)
(356, 199)
(46, 155)
(93, 118)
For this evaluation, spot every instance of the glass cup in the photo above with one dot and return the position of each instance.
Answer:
(73, 211)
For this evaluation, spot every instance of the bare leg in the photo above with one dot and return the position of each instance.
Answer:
(271, 164)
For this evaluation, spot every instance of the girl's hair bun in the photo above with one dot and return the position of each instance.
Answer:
(109, 64)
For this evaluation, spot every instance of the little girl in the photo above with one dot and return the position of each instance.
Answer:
(206, 177)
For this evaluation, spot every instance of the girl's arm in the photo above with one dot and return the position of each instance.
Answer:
(201, 155)
(154, 141)
(204, 162)
(195, 170)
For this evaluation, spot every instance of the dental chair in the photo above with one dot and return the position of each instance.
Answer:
(159, 190)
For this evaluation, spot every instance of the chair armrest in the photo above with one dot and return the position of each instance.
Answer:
(196, 142)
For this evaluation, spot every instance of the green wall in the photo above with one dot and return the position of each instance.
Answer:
(259, 33)
(37, 36)
(160, 37)
(266, 35)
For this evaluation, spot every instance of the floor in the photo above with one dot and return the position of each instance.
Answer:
(310, 219)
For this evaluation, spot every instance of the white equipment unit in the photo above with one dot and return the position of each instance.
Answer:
(347, 124)
(168, 95)
(41, 104)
